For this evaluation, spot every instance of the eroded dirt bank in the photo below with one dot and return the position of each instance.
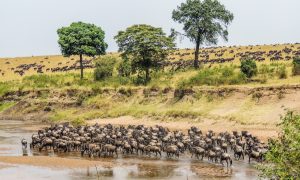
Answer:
(256, 109)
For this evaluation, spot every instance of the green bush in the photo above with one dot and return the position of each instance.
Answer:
(80, 99)
(282, 72)
(104, 67)
(140, 80)
(272, 70)
(248, 67)
(296, 66)
(215, 76)
(284, 152)
(124, 68)
(5, 87)
(227, 71)
(265, 69)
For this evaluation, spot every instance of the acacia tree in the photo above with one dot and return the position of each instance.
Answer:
(145, 46)
(204, 21)
(81, 39)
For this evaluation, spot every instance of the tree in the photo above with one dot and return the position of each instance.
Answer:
(81, 39)
(283, 157)
(248, 67)
(104, 67)
(203, 22)
(145, 46)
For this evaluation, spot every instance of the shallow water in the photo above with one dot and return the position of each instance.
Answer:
(126, 167)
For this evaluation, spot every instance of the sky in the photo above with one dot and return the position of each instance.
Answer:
(28, 27)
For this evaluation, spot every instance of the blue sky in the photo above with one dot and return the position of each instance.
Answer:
(28, 27)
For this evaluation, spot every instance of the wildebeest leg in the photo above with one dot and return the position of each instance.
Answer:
(90, 153)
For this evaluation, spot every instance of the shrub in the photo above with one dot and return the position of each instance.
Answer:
(248, 67)
(265, 69)
(217, 76)
(104, 67)
(282, 72)
(284, 152)
(124, 68)
(5, 87)
(296, 66)
(227, 71)
(140, 80)
(80, 99)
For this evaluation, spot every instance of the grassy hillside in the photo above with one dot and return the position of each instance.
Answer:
(217, 93)
(16, 68)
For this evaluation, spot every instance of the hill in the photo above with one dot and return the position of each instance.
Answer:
(49, 89)
(16, 68)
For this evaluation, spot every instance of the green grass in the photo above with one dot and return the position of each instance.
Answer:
(120, 96)
(6, 105)
(6, 87)
(216, 75)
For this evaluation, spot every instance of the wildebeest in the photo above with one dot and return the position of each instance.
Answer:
(138, 140)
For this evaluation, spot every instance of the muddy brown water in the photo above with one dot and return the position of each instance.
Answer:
(123, 167)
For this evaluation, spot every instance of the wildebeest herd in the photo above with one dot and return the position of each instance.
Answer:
(21, 69)
(179, 59)
(139, 140)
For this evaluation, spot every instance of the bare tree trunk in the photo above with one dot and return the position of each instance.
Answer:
(198, 41)
(147, 74)
(81, 67)
(196, 61)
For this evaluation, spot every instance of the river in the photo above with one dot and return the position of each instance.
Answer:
(13, 164)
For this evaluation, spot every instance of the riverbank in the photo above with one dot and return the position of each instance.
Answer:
(255, 109)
